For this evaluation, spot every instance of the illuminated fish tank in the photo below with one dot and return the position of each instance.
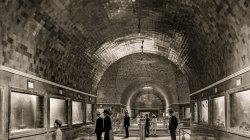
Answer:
(219, 112)
(195, 112)
(240, 112)
(58, 110)
(77, 114)
(204, 111)
(89, 117)
(186, 112)
(26, 112)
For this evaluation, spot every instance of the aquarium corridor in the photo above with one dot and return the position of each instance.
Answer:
(124, 69)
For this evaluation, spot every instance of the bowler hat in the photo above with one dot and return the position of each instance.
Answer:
(106, 111)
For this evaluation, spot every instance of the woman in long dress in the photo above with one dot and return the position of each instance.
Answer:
(154, 124)
(111, 135)
(138, 118)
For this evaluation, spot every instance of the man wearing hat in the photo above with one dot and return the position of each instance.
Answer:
(147, 124)
(126, 124)
(172, 124)
(99, 126)
(107, 124)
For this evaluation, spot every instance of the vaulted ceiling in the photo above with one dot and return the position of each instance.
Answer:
(206, 39)
(125, 78)
(192, 33)
(107, 28)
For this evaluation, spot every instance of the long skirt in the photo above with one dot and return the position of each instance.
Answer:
(111, 136)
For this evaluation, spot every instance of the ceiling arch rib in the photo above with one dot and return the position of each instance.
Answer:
(131, 91)
(154, 43)
(150, 92)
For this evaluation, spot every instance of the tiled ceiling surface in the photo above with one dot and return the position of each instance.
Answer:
(129, 75)
(204, 33)
(98, 24)
(209, 39)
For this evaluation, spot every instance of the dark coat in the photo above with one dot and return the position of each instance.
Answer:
(99, 125)
(173, 123)
(107, 123)
(147, 122)
(126, 121)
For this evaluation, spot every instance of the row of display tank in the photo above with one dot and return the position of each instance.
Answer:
(28, 112)
(227, 112)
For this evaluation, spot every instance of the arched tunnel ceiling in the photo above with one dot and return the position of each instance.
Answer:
(121, 47)
(101, 24)
(211, 37)
(209, 29)
(155, 99)
(133, 89)
(125, 77)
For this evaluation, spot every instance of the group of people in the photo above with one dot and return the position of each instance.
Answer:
(152, 123)
(173, 123)
(105, 125)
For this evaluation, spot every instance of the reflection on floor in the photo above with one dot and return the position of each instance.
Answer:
(134, 131)
(150, 138)
(162, 134)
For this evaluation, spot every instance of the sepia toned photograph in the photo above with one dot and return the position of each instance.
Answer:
(124, 69)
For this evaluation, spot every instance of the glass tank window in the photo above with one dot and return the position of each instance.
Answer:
(187, 113)
(89, 117)
(204, 111)
(219, 112)
(58, 110)
(240, 111)
(77, 112)
(195, 112)
(26, 112)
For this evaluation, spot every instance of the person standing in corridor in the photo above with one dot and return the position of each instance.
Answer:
(126, 124)
(111, 135)
(147, 124)
(154, 124)
(173, 123)
(58, 133)
(107, 124)
(99, 126)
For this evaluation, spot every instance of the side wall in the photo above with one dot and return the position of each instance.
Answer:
(225, 89)
(10, 82)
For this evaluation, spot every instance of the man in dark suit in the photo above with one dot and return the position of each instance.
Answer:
(173, 123)
(99, 126)
(107, 124)
(147, 124)
(126, 124)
